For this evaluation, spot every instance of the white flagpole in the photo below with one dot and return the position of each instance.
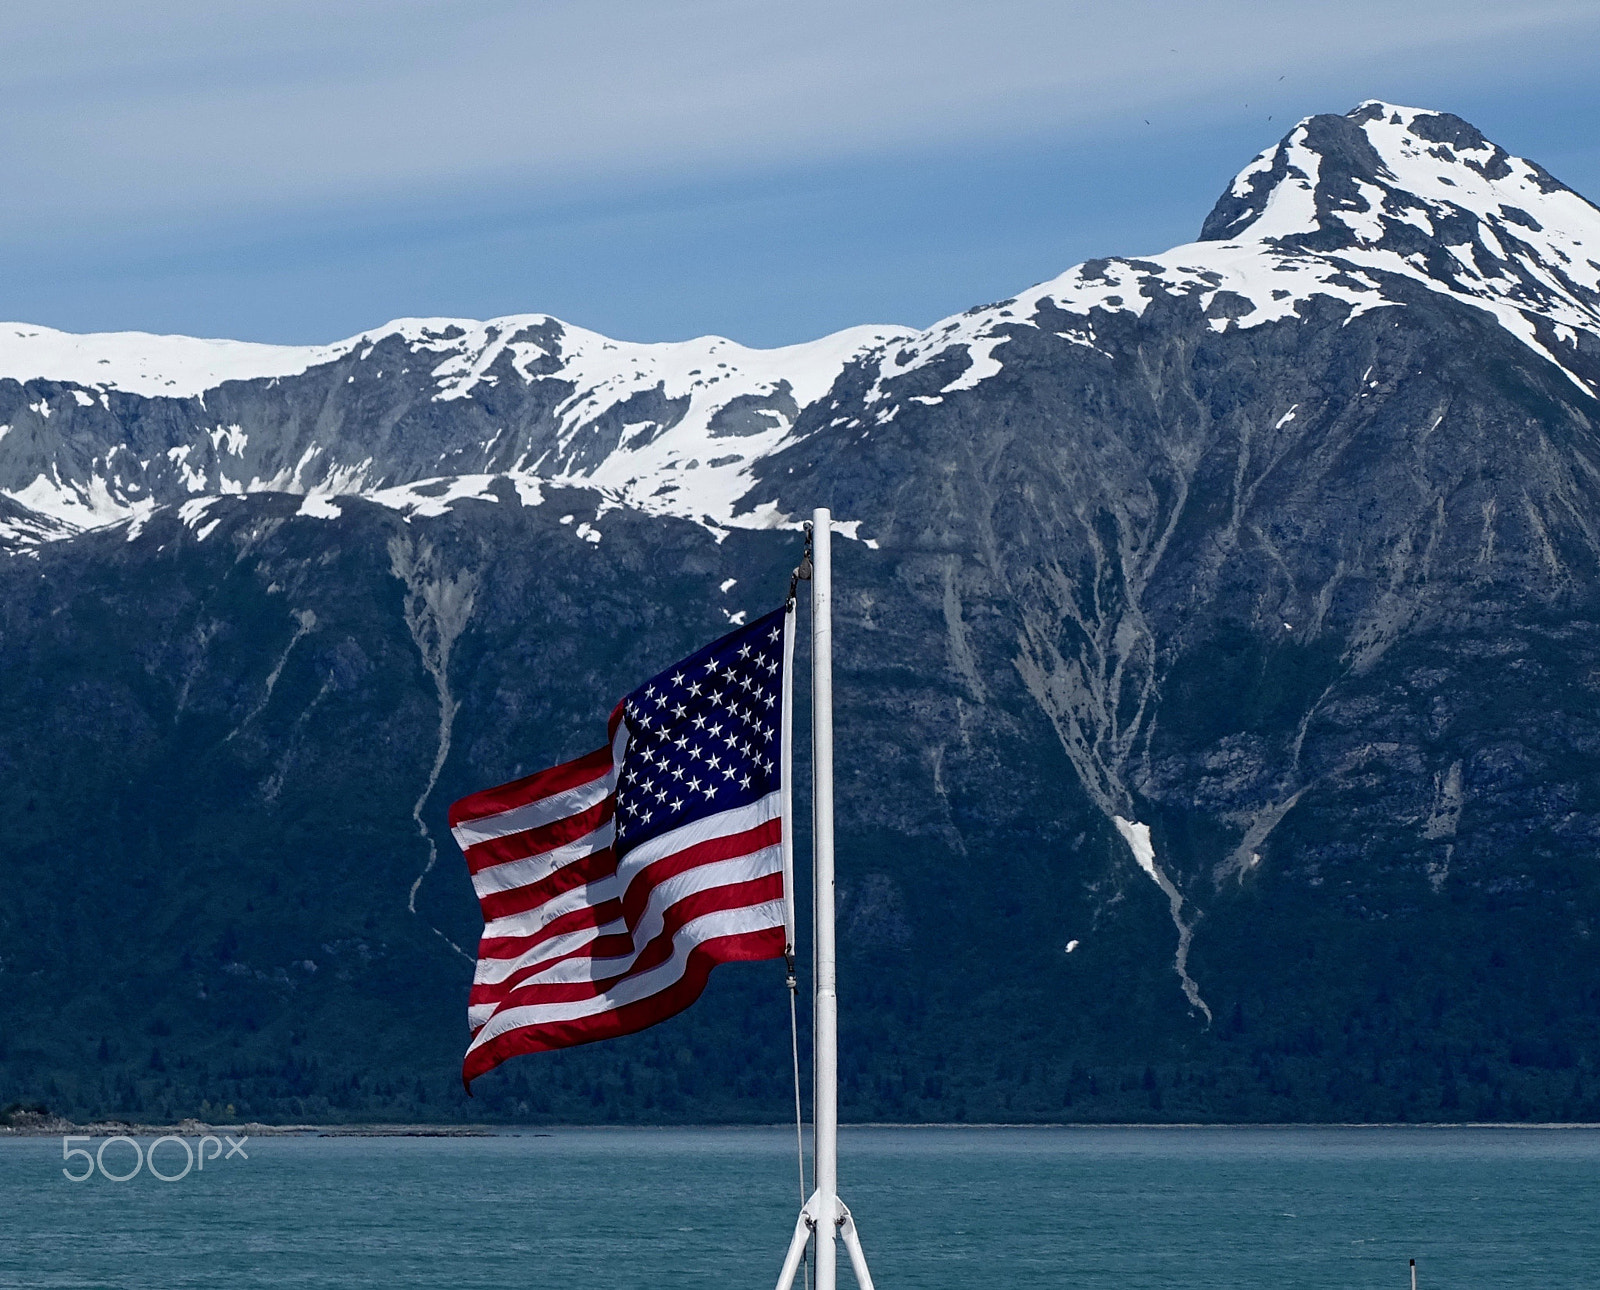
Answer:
(824, 1215)
(825, 1015)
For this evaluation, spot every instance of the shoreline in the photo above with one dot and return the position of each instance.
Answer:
(55, 1127)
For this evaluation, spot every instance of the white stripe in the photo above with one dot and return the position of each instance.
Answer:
(723, 824)
(531, 869)
(735, 820)
(725, 922)
(534, 815)
(493, 971)
(547, 810)
(758, 864)
(530, 922)
(705, 877)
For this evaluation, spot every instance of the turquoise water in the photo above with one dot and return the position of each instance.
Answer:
(937, 1208)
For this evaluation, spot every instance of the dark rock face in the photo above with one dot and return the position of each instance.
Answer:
(1227, 617)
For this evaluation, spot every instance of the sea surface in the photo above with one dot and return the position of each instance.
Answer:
(631, 1209)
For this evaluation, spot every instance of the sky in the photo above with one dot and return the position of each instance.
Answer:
(301, 170)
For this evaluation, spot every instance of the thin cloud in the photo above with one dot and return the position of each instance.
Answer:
(124, 113)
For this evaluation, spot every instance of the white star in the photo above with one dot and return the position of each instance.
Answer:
(774, 634)
(710, 791)
(649, 690)
(677, 772)
(677, 804)
(699, 723)
(744, 652)
(745, 782)
(729, 773)
(696, 753)
(678, 710)
(769, 699)
(712, 665)
(716, 697)
(728, 674)
(678, 679)
(661, 796)
(661, 700)
(732, 741)
(695, 785)
(645, 818)
(714, 763)
(695, 689)
(682, 741)
(716, 730)
(767, 766)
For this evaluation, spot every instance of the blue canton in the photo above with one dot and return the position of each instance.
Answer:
(703, 735)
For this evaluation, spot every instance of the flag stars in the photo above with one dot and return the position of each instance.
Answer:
(709, 722)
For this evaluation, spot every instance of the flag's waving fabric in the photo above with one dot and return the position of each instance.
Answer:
(613, 884)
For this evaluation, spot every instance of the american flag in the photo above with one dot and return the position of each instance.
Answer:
(613, 884)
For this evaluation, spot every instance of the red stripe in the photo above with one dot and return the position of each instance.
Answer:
(631, 1017)
(696, 904)
(531, 788)
(632, 906)
(519, 900)
(535, 842)
(612, 946)
(617, 944)
(584, 916)
(728, 847)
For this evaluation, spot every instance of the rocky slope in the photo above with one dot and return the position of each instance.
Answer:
(1217, 673)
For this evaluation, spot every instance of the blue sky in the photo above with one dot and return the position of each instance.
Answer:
(299, 171)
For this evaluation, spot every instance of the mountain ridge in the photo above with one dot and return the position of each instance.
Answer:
(1336, 221)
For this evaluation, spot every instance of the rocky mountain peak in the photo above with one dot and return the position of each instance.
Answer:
(1423, 193)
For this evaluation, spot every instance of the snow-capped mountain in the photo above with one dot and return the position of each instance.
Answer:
(415, 414)
(1356, 212)
(1217, 677)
